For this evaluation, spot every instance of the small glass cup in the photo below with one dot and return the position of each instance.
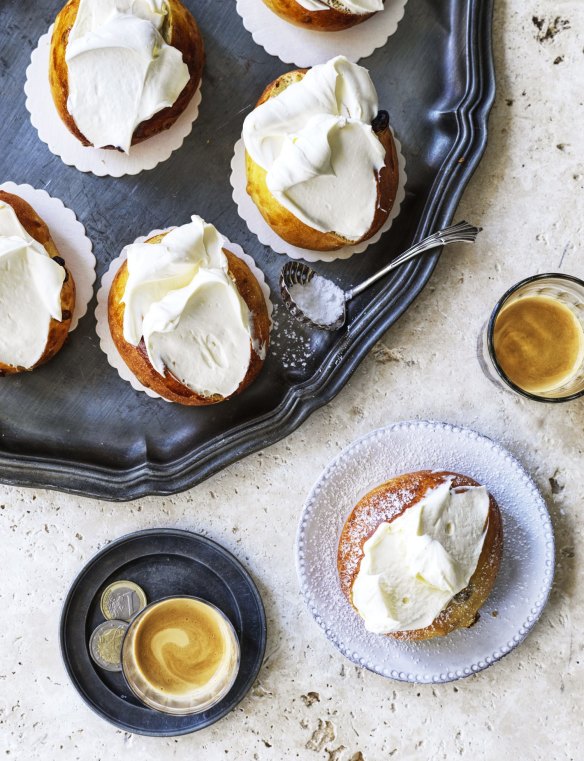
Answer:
(564, 288)
(178, 705)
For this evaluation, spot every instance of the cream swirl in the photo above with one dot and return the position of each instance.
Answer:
(317, 146)
(413, 566)
(121, 71)
(181, 300)
(30, 293)
(185, 648)
(189, 659)
(356, 7)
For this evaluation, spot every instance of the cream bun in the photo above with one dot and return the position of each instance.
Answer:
(419, 555)
(325, 15)
(122, 71)
(37, 292)
(321, 162)
(188, 317)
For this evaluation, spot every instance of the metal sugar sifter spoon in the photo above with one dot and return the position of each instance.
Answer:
(317, 301)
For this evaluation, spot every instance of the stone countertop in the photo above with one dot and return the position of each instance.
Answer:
(309, 702)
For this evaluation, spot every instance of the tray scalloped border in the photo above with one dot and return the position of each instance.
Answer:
(149, 478)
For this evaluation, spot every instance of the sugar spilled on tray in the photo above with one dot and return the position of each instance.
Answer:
(320, 299)
(289, 342)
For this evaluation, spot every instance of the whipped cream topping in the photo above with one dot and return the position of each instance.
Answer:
(317, 146)
(121, 71)
(181, 300)
(413, 566)
(30, 293)
(357, 7)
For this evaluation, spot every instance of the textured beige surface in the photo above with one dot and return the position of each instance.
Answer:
(309, 703)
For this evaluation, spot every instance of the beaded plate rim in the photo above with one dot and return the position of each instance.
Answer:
(523, 629)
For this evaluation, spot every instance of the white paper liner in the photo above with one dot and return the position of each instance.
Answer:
(101, 312)
(70, 239)
(305, 47)
(249, 212)
(99, 161)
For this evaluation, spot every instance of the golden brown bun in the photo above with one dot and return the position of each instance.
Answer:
(289, 227)
(168, 386)
(332, 20)
(375, 508)
(58, 331)
(181, 32)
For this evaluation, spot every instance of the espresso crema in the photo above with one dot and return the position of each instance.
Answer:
(182, 649)
(539, 343)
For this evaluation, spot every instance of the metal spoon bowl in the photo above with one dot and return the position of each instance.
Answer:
(299, 273)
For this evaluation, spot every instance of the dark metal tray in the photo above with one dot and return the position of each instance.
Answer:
(74, 424)
(164, 562)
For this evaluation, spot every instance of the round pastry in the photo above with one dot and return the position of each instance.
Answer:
(188, 317)
(418, 555)
(325, 15)
(122, 71)
(321, 162)
(37, 292)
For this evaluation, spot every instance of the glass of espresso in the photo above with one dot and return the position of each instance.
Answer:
(534, 340)
(180, 655)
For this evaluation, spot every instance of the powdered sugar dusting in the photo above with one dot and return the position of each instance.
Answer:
(525, 575)
(381, 506)
(320, 299)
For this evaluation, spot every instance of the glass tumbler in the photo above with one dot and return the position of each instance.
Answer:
(566, 289)
(205, 696)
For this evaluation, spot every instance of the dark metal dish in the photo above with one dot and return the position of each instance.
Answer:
(74, 424)
(164, 562)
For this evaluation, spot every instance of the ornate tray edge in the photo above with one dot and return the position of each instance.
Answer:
(161, 479)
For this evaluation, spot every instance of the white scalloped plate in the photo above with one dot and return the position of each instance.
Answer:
(305, 47)
(524, 579)
(102, 327)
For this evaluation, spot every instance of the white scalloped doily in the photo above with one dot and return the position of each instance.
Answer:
(249, 212)
(101, 162)
(70, 239)
(305, 47)
(527, 566)
(101, 312)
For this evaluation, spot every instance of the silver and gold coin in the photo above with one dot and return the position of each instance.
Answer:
(122, 600)
(105, 644)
